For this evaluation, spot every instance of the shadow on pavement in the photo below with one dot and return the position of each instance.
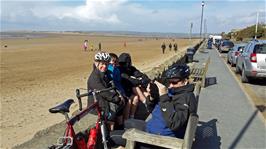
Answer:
(206, 135)
(210, 81)
(243, 130)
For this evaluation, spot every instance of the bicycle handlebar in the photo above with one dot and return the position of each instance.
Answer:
(90, 92)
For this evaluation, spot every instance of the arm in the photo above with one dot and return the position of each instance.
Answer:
(96, 83)
(192, 104)
(144, 78)
(135, 82)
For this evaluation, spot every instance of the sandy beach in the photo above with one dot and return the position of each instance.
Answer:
(38, 73)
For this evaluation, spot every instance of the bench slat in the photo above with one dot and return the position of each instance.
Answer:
(157, 140)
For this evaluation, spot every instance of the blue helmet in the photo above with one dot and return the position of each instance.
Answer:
(181, 72)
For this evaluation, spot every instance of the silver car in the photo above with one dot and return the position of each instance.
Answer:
(252, 61)
(225, 46)
(234, 53)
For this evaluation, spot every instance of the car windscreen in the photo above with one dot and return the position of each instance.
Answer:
(260, 49)
(228, 44)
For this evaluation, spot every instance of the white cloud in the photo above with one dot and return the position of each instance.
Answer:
(100, 11)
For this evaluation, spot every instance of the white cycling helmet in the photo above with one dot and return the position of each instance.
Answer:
(102, 57)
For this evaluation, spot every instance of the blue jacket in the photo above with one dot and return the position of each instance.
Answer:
(157, 124)
(115, 75)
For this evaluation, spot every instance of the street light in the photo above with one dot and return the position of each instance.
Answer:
(202, 6)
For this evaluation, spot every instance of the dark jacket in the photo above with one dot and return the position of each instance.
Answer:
(99, 80)
(172, 118)
(130, 75)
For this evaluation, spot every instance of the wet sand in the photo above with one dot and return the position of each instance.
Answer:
(38, 73)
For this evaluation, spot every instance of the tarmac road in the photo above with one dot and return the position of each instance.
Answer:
(227, 117)
(255, 89)
(258, 86)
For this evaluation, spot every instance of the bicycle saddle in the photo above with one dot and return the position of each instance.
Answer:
(62, 108)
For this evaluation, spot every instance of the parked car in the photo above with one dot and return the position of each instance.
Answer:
(234, 52)
(251, 63)
(225, 46)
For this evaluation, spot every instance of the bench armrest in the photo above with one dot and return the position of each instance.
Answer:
(190, 130)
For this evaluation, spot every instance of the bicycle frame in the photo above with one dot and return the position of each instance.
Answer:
(100, 124)
(69, 138)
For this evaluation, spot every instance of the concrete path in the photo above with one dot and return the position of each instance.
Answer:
(227, 118)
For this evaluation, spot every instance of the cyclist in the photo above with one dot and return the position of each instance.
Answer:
(110, 102)
(170, 112)
(115, 75)
(134, 82)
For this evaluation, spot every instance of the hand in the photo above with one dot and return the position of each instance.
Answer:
(154, 90)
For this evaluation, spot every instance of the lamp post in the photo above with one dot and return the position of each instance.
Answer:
(202, 6)
(190, 32)
(256, 29)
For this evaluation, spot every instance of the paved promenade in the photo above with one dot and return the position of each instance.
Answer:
(227, 118)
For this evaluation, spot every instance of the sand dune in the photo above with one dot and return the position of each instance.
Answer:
(38, 73)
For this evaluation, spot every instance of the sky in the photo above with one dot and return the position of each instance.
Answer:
(169, 16)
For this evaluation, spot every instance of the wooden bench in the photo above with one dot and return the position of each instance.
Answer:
(133, 135)
(199, 74)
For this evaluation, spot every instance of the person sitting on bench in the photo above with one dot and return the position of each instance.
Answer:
(170, 112)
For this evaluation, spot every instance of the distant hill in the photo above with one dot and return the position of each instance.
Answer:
(247, 33)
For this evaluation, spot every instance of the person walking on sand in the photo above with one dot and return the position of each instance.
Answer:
(100, 46)
(125, 44)
(163, 47)
(175, 47)
(170, 47)
(85, 45)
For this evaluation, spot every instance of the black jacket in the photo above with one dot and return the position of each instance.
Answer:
(176, 109)
(182, 104)
(132, 77)
(99, 80)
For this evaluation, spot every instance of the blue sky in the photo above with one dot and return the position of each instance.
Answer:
(129, 15)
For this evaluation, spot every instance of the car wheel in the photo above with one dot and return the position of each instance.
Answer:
(237, 69)
(228, 62)
(244, 78)
(232, 64)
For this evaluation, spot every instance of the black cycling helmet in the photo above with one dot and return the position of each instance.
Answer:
(178, 72)
(124, 59)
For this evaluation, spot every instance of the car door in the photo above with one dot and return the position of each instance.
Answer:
(242, 56)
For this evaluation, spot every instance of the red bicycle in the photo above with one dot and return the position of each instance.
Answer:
(71, 140)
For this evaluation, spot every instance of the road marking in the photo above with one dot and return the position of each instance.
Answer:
(247, 89)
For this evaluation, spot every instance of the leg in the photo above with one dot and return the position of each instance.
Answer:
(139, 93)
(134, 105)
(127, 110)
(110, 125)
